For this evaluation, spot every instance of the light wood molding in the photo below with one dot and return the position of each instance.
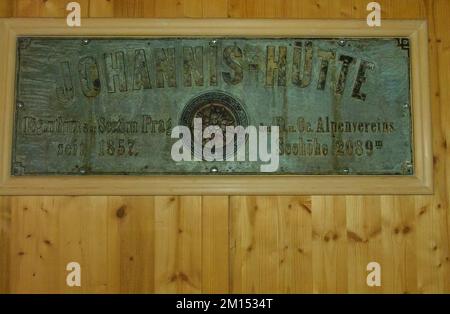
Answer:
(416, 30)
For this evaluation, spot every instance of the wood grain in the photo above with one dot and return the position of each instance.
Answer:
(215, 244)
(5, 239)
(239, 243)
(178, 238)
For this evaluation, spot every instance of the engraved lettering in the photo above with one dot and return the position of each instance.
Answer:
(165, 67)
(141, 77)
(361, 79)
(302, 78)
(109, 106)
(115, 71)
(212, 57)
(64, 89)
(232, 56)
(346, 62)
(89, 76)
(276, 67)
(193, 65)
(326, 57)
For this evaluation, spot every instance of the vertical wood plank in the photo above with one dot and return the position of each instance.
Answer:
(192, 8)
(433, 223)
(329, 244)
(254, 9)
(166, 244)
(340, 9)
(27, 8)
(101, 8)
(178, 236)
(399, 231)
(291, 9)
(47, 8)
(364, 240)
(5, 238)
(364, 227)
(254, 243)
(28, 271)
(34, 246)
(215, 8)
(6, 8)
(273, 8)
(129, 8)
(57, 230)
(215, 244)
(94, 241)
(169, 8)
(311, 9)
(295, 244)
(83, 234)
(407, 9)
(442, 202)
(399, 242)
(270, 239)
(239, 243)
(48, 233)
(131, 238)
(71, 247)
(427, 275)
(236, 8)
(329, 250)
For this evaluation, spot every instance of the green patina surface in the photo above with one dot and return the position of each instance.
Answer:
(108, 105)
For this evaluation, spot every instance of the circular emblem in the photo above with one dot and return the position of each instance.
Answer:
(216, 109)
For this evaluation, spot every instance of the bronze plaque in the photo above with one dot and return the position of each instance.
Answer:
(102, 106)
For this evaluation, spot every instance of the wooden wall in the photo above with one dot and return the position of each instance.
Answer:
(238, 244)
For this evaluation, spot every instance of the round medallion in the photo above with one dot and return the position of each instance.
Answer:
(216, 109)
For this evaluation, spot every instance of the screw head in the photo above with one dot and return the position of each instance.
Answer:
(85, 41)
(82, 171)
(346, 171)
(407, 167)
(214, 169)
(341, 42)
(20, 105)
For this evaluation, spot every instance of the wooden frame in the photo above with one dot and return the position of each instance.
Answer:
(420, 183)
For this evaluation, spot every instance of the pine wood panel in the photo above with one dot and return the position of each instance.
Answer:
(270, 244)
(246, 243)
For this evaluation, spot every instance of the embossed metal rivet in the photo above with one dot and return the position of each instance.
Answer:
(341, 43)
(406, 106)
(346, 170)
(407, 167)
(18, 169)
(214, 169)
(85, 41)
(213, 42)
(20, 105)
